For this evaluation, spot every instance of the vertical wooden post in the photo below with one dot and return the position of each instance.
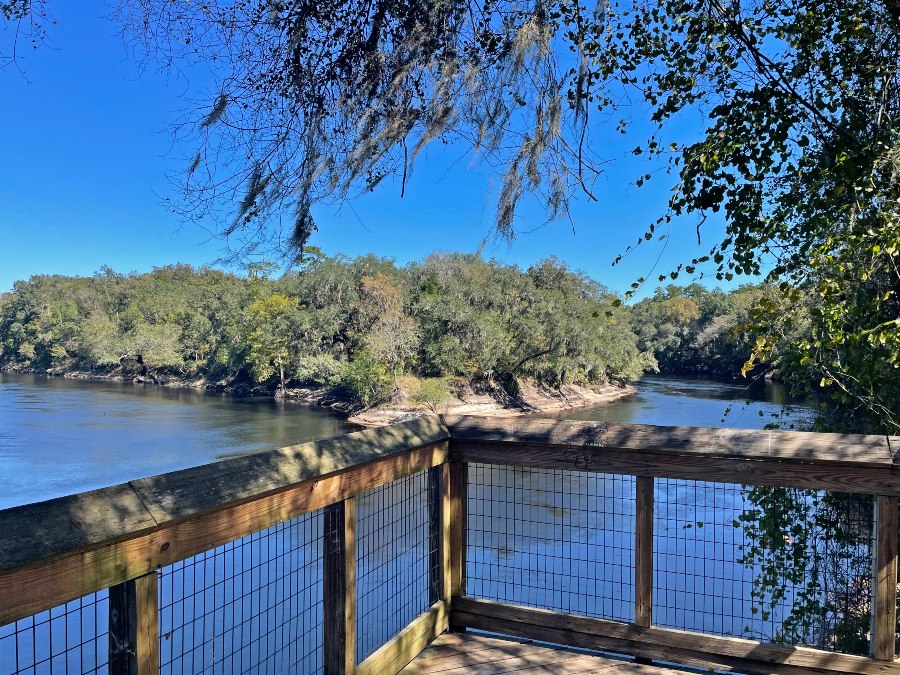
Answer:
(643, 552)
(122, 621)
(458, 488)
(885, 578)
(339, 588)
(439, 523)
(134, 627)
(147, 633)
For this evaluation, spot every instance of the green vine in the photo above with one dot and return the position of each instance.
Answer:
(811, 556)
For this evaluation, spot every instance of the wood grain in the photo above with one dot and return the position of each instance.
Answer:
(122, 634)
(147, 627)
(446, 581)
(409, 643)
(459, 477)
(885, 611)
(659, 643)
(643, 552)
(182, 494)
(79, 522)
(462, 653)
(48, 582)
(866, 479)
(829, 449)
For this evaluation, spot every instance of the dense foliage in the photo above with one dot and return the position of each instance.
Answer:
(693, 329)
(357, 324)
(798, 153)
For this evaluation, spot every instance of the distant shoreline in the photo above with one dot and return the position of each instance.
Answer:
(490, 402)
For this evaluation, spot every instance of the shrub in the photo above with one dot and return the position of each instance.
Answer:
(366, 380)
(433, 392)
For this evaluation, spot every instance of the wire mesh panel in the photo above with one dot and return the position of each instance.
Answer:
(250, 606)
(68, 639)
(551, 539)
(395, 552)
(780, 565)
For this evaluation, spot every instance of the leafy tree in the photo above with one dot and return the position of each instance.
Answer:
(695, 330)
(798, 156)
(269, 337)
(334, 322)
(799, 151)
(390, 335)
(366, 379)
(433, 392)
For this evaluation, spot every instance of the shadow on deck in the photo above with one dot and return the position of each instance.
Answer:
(458, 653)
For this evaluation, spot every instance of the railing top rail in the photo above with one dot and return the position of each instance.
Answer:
(84, 521)
(797, 446)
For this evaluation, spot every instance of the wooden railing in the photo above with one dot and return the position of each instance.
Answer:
(840, 463)
(118, 538)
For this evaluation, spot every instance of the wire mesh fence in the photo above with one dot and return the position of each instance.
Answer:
(251, 606)
(551, 539)
(396, 559)
(780, 565)
(66, 640)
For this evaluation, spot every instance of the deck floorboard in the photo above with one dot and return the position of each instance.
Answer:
(459, 653)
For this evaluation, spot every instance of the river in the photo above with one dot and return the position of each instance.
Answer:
(552, 539)
(60, 436)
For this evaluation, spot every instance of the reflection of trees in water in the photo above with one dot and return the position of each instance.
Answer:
(811, 552)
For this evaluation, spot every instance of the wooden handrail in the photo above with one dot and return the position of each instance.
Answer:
(855, 450)
(835, 462)
(62, 549)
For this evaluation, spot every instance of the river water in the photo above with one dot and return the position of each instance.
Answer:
(61, 436)
(550, 539)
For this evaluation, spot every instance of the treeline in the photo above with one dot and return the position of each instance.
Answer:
(693, 329)
(352, 324)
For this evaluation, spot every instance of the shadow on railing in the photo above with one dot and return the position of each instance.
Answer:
(352, 554)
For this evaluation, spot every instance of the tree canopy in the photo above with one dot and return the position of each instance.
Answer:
(321, 100)
(352, 324)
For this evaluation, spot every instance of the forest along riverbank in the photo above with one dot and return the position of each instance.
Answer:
(455, 398)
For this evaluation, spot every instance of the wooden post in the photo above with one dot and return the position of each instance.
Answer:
(439, 524)
(134, 627)
(643, 551)
(339, 587)
(122, 622)
(458, 488)
(885, 595)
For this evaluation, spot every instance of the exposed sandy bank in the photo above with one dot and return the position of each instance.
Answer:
(533, 398)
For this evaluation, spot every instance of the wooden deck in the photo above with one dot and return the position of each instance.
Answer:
(459, 653)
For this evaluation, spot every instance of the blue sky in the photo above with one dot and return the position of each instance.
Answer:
(85, 150)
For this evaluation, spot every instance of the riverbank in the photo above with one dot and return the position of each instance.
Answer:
(532, 397)
(487, 400)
